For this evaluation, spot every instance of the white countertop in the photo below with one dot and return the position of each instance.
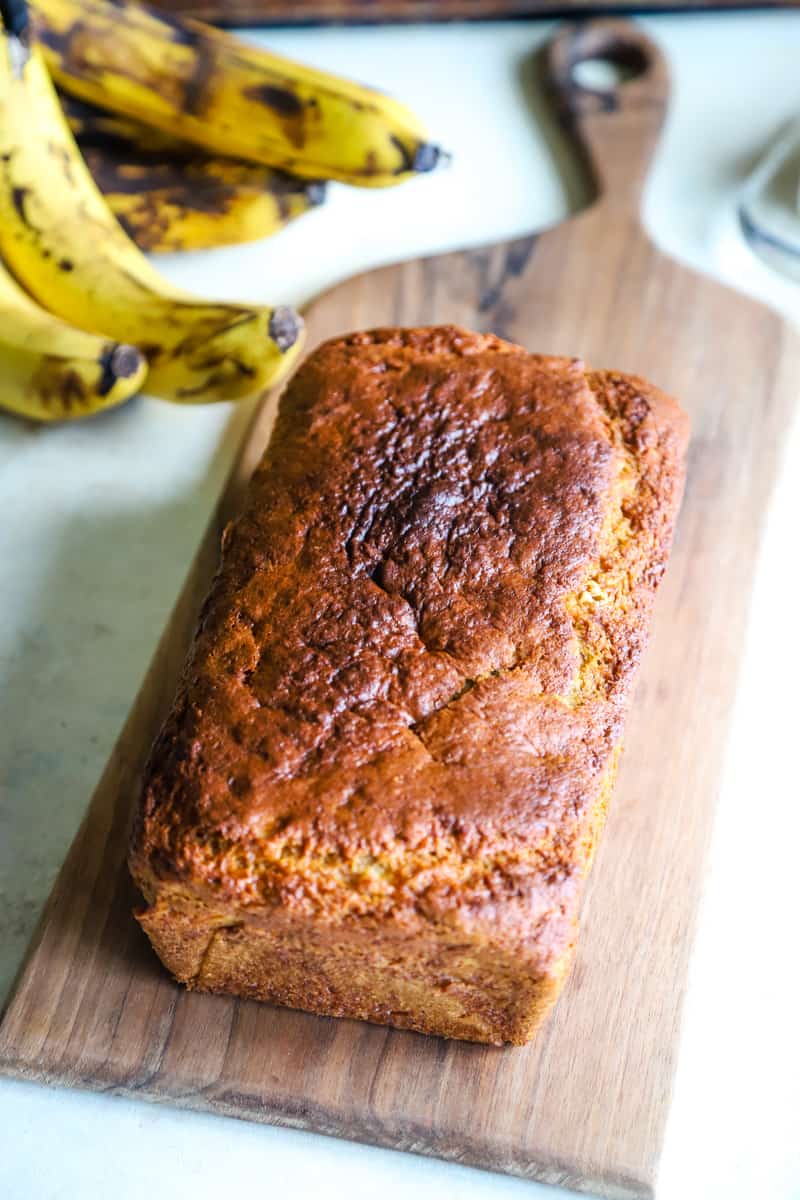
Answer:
(101, 521)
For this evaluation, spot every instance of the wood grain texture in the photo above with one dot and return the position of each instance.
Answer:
(304, 12)
(586, 1104)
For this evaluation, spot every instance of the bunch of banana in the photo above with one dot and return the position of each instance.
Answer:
(208, 88)
(52, 371)
(170, 196)
(64, 246)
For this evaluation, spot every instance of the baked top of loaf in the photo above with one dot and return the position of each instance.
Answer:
(406, 692)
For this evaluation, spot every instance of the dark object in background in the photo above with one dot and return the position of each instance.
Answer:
(304, 12)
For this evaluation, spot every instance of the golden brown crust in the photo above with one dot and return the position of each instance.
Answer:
(401, 712)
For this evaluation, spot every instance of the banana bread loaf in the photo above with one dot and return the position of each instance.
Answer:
(381, 785)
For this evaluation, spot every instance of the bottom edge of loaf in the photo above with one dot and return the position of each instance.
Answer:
(451, 986)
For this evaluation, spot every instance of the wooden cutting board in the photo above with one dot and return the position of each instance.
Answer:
(586, 1104)
(301, 12)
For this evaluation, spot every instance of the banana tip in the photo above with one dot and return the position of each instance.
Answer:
(119, 362)
(428, 156)
(316, 192)
(285, 327)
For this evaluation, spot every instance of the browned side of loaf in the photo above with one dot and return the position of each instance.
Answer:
(380, 787)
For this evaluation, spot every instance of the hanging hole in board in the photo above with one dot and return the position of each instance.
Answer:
(609, 69)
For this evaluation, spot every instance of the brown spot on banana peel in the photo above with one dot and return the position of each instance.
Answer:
(67, 45)
(82, 55)
(63, 392)
(163, 222)
(195, 87)
(59, 388)
(196, 184)
(406, 157)
(145, 222)
(286, 105)
(217, 379)
(64, 157)
(198, 340)
(18, 198)
(284, 207)
(283, 101)
(230, 317)
(206, 197)
(102, 129)
(234, 365)
(163, 182)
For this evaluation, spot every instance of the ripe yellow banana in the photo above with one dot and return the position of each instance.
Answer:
(62, 243)
(53, 372)
(207, 87)
(171, 196)
(198, 203)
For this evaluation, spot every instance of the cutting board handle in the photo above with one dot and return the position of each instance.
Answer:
(616, 126)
